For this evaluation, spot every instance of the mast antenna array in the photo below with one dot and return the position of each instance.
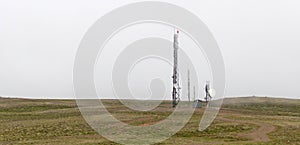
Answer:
(176, 87)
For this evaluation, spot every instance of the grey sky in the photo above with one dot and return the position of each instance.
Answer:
(259, 40)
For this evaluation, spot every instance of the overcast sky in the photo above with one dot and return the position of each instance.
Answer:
(259, 40)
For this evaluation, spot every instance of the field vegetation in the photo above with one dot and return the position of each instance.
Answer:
(246, 120)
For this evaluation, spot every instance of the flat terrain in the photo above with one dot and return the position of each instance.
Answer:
(248, 120)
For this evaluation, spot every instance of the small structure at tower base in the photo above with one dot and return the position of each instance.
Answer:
(198, 103)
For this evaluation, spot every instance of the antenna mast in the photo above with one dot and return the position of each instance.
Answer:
(189, 85)
(207, 93)
(176, 87)
(194, 93)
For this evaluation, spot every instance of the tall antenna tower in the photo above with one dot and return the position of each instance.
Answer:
(176, 87)
(189, 85)
(194, 93)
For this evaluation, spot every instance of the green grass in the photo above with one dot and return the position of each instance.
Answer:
(25, 121)
(266, 107)
(32, 108)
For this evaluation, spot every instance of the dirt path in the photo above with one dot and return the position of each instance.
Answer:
(257, 135)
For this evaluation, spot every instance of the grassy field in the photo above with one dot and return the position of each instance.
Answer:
(249, 120)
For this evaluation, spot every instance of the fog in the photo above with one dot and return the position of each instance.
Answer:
(259, 40)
